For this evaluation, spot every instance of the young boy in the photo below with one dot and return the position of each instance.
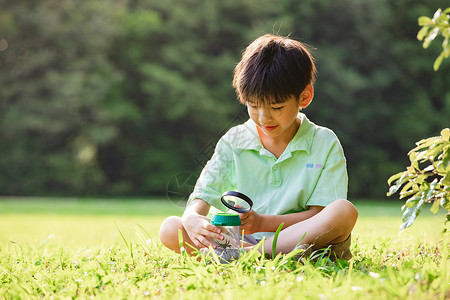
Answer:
(293, 170)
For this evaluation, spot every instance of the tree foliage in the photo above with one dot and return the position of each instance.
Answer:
(118, 97)
(431, 28)
(426, 180)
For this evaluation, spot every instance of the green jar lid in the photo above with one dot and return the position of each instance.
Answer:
(226, 219)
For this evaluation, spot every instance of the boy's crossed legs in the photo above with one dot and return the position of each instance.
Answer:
(332, 225)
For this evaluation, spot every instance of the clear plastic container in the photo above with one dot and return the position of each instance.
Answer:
(230, 225)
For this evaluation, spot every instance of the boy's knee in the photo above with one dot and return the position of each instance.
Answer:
(168, 233)
(347, 209)
(345, 214)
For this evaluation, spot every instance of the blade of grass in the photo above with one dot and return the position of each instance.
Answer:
(299, 242)
(144, 238)
(275, 239)
(180, 240)
(129, 245)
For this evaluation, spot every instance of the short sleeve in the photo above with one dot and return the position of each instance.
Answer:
(216, 177)
(333, 180)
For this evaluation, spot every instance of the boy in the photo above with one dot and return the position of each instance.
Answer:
(293, 170)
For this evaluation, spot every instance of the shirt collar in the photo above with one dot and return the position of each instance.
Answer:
(302, 140)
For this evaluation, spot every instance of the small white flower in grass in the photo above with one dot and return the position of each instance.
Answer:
(299, 278)
(262, 283)
(374, 275)
(356, 288)
(149, 241)
(418, 277)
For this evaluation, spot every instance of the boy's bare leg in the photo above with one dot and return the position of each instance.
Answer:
(332, 225)
(168, 235)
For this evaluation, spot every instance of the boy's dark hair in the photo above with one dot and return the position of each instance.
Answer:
(273, 69)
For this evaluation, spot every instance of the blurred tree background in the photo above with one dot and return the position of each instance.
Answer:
(119, 97)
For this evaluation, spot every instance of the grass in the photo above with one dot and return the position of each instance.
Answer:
(75, 248)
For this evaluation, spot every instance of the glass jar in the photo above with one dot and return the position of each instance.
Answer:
(229, 225)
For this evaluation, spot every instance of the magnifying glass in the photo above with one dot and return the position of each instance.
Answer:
(237, 201)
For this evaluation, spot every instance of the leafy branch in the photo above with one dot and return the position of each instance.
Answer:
(431, 28)
(426, 180)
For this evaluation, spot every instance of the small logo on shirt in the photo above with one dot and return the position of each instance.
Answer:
(314, 166)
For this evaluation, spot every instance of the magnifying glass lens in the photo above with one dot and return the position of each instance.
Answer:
(236, 202)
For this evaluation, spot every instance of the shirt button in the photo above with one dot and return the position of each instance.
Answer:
(275, 167)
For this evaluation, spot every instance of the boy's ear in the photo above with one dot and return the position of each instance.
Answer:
(306, 96)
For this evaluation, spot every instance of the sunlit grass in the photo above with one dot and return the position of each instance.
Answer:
(77, 249)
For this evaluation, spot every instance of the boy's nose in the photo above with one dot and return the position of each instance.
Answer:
(264, 115)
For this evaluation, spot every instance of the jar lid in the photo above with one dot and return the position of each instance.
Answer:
(226, 219)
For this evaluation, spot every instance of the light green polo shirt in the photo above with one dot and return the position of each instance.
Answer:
(311, 171)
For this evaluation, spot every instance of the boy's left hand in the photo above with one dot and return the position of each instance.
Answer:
(250, 222)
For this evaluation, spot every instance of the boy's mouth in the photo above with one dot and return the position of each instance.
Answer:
(269, 128)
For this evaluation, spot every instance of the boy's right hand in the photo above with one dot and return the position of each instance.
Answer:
(199, 229)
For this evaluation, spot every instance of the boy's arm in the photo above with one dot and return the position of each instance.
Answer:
(253, 222)
(197, 225)
(197, 206)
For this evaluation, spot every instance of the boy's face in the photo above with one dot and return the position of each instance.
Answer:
(279, 120)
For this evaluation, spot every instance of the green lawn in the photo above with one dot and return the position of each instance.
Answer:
(68, 248)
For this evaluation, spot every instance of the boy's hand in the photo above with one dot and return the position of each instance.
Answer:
(199, 229)
(250, 222)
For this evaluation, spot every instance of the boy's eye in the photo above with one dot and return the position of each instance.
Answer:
(277, 108)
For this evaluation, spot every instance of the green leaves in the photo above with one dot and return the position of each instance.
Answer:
(426, 180)
(431, 28)
(410, 214)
